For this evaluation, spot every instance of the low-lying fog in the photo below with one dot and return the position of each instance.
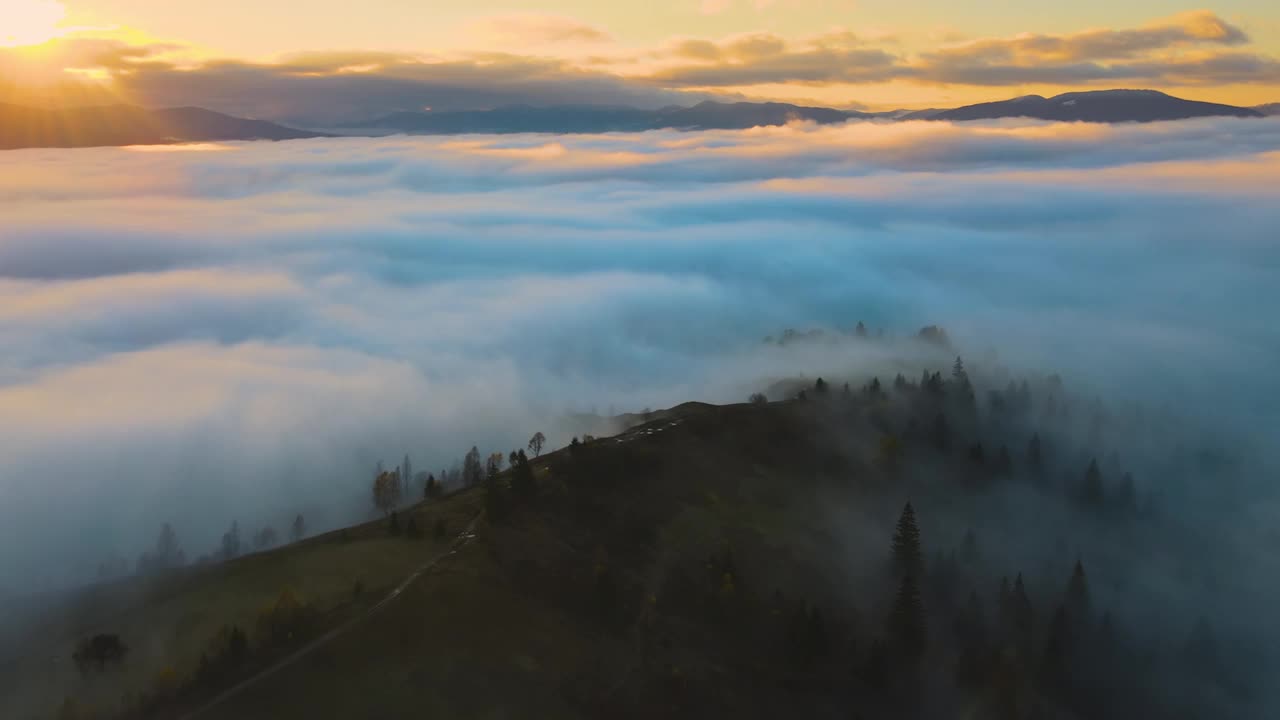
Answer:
(214, 333)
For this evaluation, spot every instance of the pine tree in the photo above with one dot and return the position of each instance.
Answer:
(971, 632)
(906, 620)
(1023, 615)
(963, 386)
(1091, 489)
(935, 385)
(495, 500)
(820, 387)
(523, 483)
(941, 433)
(1077, 596)
(1055, 665)
(406, 473)
(1035, 457)
(907, 558)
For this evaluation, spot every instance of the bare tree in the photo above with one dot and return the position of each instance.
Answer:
(386, 491)
(536, 442)
(493, 465)
(472, 472)
(231, 542)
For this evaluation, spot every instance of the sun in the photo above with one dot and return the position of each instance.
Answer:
(29, 22)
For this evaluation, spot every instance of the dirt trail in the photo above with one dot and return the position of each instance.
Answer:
(462, 539)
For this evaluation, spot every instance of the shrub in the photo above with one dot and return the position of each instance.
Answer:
(285, 622)
(98, 652)
(227, 651)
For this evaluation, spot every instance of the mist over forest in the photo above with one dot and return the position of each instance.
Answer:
(202, 335)
(195, 335)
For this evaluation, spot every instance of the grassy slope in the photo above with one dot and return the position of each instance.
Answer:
(509, 628)
(514, 625)
(167, 621)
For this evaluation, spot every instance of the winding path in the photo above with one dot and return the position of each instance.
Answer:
(461, 540)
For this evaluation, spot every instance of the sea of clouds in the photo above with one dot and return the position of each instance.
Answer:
(201, 334)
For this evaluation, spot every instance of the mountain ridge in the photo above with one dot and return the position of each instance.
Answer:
(122, 125)
(1101, 106)
(706, 115)
(118, 125)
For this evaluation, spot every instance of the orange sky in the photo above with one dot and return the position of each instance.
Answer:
(870, 53)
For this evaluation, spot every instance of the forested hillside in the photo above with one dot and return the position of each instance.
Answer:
(935, 546)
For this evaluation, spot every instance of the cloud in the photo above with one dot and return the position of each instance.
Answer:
(1183, 49)
(1194, 28)
(1193, 48)
(535, 29)
(202, 337)
(765, 58)
(331, 91)
(324, 88)
(548, 59)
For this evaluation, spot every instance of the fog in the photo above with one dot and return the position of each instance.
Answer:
(202, 334)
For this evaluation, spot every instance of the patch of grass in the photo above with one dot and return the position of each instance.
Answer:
(167, 621)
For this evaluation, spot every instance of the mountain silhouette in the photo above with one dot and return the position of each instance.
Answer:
(707, 115)
(24, 127)
(1099, 106)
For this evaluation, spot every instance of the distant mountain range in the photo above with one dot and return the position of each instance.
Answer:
(22, 127)
(1103, 106)
(126, 125)
(707, 115)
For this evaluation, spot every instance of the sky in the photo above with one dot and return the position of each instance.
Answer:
(265, 58)
(198, 334)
